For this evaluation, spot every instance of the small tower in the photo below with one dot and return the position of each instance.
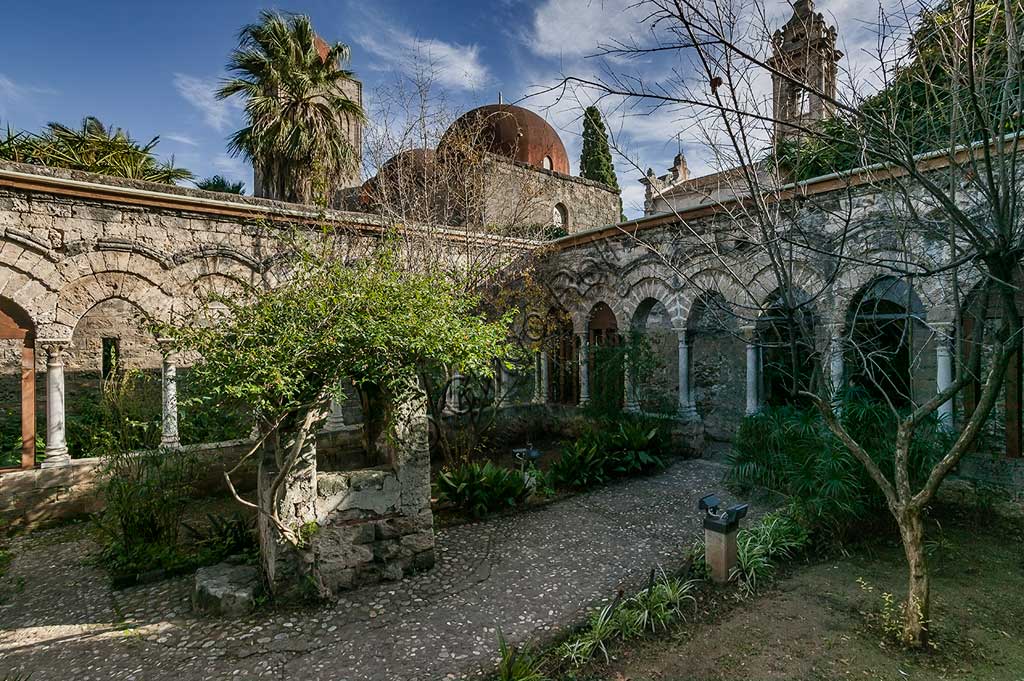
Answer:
(805, 50)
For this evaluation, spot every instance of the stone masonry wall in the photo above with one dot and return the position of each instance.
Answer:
(532, 193)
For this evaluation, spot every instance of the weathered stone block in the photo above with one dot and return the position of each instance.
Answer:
(226, 589)
(390, 528)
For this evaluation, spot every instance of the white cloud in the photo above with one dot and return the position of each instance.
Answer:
(230, 166)
(13, 92)
(200, 93)
(454, 66)
(182, 139)
(576, 28)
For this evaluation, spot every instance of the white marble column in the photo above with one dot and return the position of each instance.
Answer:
(944, 376)
(836, 364)
(687, 406)
(584, 370)
(545, 378)
(629, 398)
(169, 384)
(453, 398)
(336, 419)
(753, 373)
(56, 445)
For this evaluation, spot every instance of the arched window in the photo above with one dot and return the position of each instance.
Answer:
(547, 163)
(560, 217)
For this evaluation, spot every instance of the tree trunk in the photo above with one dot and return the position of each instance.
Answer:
(917, 606)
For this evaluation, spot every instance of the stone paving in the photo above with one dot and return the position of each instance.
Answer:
(531, 574)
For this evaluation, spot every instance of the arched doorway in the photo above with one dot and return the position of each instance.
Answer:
(886, 319)
(789, 361)
(717, 369)
(605, 357)
(112, 371)
(563, 360)
(17, 337)
(980, 323)
(654, 358)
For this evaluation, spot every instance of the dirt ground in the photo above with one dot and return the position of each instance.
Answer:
(819, 623)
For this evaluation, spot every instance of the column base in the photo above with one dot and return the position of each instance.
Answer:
(688, 412)
(170, 444)
(58, 458)
(632, 408)
(583, 401)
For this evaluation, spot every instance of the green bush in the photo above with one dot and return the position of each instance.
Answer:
(613, 448)
(126, 417)
(659, 605)
(145, 493)
(517, 664)
(791, 451)
(761, 547)
(224, 536)
(479, 489)
(581, 465)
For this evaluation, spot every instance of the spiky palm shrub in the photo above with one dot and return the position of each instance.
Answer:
(298, 115)
(791, 451)
(92, 147)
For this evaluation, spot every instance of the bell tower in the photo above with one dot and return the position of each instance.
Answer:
(804, 49)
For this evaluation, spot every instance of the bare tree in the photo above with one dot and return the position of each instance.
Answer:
(937, 135)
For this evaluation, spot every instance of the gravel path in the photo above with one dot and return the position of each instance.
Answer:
(530, 574)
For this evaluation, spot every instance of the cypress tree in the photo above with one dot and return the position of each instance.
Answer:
(596, 158)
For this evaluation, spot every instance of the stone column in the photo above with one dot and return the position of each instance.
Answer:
(545, 384)
(629, 399)
(584, 370)
(169, 383)
(836, 364)
(753, 372)
(336, 419)
(687, 406)
(453, 399)
(944, 375)
(56, 446)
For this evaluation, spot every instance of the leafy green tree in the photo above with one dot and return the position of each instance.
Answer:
(219, 183)
(92, 147)
(596, 157)
(285, 351)
(297, 113)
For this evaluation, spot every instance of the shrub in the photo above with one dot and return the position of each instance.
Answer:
(791, 451)
(657, 606)
(146, 494)
(234, 535)
(126, 417)
(581, 465)
(760, 548)
(479, 489)
(517, 664)
(613, 448)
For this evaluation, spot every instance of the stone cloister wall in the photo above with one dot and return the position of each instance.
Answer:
(88, 258)
(711, 281)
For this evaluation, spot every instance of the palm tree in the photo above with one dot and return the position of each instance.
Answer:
(94, 148)
(298, 116)
(219, 183)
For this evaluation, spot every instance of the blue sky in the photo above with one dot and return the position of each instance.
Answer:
(150, 67)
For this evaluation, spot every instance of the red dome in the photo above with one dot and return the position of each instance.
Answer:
(514, 132)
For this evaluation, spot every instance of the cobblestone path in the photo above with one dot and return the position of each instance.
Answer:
(529, 574)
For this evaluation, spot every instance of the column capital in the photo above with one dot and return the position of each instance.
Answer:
(749, 334)
(54, 349)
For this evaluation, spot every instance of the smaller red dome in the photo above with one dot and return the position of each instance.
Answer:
(513, 132)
